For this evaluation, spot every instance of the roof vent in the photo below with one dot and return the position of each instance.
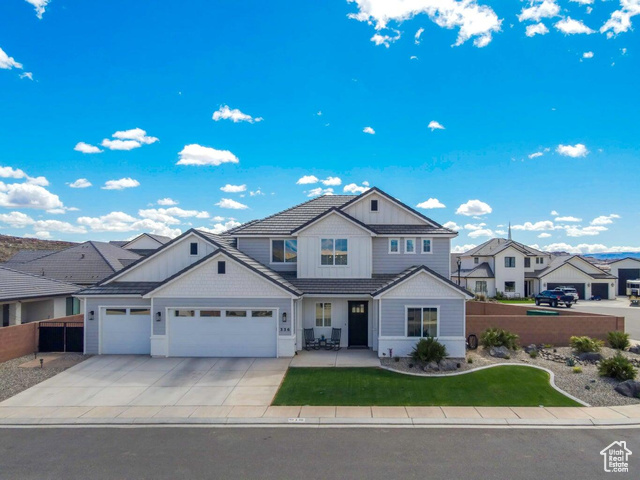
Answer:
(82, 255)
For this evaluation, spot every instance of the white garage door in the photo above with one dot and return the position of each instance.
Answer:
(219, 332)
(125, 331)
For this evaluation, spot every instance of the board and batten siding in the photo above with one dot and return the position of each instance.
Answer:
(260, 249)
(388, 213)
(385, 262)
(334, 226)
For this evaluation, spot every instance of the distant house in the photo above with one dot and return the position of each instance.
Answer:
(625, 269)
(28, 298)
(144, 244)
(517, 270)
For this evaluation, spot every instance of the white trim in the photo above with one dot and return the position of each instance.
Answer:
(391, 239)
(346, 239)
(421, 307)
(197, 254)
(406, 250)
(399, 337)
(390, 199)
(422, 239)
(342, 214)
(109, 296)
(359, 296)
(86, 327)
(462, 294)
(144, 234)
(315, 315)
(430, 235)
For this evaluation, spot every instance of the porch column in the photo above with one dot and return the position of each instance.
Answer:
(15, 314)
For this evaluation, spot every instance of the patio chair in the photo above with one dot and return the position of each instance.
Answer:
(310, 341)
(334, 342)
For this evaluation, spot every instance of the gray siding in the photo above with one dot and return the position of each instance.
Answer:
(259, 249)
(384, 262)
(284, 304)
(452, 319)
(92, 326)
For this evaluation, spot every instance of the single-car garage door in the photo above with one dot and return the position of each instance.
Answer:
(600, 290)
(219, 332)
(578, 286)
(125, 331)
(625, 274)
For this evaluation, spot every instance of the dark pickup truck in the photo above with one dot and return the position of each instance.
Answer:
(554, 297)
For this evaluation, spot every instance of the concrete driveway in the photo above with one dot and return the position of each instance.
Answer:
(127, 385)
(619, 307)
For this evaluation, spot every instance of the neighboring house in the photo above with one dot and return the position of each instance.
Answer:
(28, 298)
(514, 269)
(367, 264)
(625, 269)
(144, 244)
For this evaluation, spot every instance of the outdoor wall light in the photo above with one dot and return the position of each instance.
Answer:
(588, 284)
(91, 313)
(284, 317)
(158, 316)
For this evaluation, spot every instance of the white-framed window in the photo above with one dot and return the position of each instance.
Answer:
(284, 251)
(374, 205)
(422, 321)
(426, 245)
(509, 287)
(539, 260)
(409, 245)
(394, 245)
(527, 262)
(476, 260)
(334, 251)
(193, 248)
(323, 314)
(510, 262)
(481, 286)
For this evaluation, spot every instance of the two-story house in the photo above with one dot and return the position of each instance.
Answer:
(367, 264)
(502, 265)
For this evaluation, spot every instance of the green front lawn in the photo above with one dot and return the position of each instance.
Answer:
(499, 386)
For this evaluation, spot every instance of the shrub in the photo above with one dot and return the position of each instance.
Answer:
(586, 344)
(469, 360)
(429, 350)
(618, 367)
(570, 362)
(577, 369)
(497, 337)
(618, 340)
(533, 354)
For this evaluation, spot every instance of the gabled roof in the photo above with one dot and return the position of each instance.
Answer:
(15, 285)
(497, 245)
(24, 256)
(561, 260)
(83, 264)
(160, 239)
(480, 271)
(330, 211)
(414, 270)
(623, 259)
(339, 286)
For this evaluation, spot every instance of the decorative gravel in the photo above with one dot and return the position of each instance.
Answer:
(14, 378)
(588, 386)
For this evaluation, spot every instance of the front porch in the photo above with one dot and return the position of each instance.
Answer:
(332, 358)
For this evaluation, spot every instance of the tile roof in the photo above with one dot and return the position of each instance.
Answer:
(481, 271)
(496, 245)
(338, 286)
(84, 264)
(409, 229)
(24, 256)
(409, 272)
(16, 285)
(121, 288)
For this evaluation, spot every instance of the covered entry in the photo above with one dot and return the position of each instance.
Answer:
(220, 332)
(580, 288)
(125, 330)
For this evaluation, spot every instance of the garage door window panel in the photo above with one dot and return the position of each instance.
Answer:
(185, 313)
(236, 313)
(140, 311)
(210, 313)
(262, 314)
(116, 311)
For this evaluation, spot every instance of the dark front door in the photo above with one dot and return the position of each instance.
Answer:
(358, 321)
(5, 315)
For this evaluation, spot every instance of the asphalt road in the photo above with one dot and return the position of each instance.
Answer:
(302, 453)
(619, 307)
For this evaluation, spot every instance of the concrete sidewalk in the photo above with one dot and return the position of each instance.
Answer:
(402, 416)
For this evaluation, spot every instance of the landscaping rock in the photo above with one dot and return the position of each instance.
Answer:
(530, 348)
(635, 349)
(448, 365)
(500, 352)
(628, 388)
(431, 366)
(590, 357)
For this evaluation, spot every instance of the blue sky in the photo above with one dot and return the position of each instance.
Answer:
(531, 123)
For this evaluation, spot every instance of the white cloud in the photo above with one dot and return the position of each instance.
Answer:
(535, 155)
(484, 232)
(569, 26)
(500, 232)
(57, 226)
(7, 62)
(474, 208)
(568, 219)
(219, 228)
(10, 172)
(431, 203)
(544, 235)
(41, 181)
(28, 195)
(535, 227)
(413, 57)
(86, 148)
(620, 20)
(418, 35)
(583, 2)
(28, 75)
(575, 151)
(125, 145)
(554, 213)
(195, 154)
(39, 6)
(332, 181)
(307, 180)
(121, 184)
(16, 219)
(463, 248)
(80, 183)
(536, 29)
(585, 231)
(433, 125)
(228, 188)
(235, 115)
(229, 203)
(539, 10)
(171, 215)
(357, 189)
(257, 192)
(604, 219)
(473, 21)
(452, 226)
(167, 202)
(369, 130)
(122, 222)
(589, 248)
(587, 55)
(135, 134)
(385, 40)
(315, 192)
(471, 226)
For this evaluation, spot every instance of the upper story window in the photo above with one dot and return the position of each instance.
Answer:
(510, 262)
(426, 245)
(222, 267)
(410, 245)
(284, 251)
(539, 260)
(476, 260)
(527, 262)
(374, 205)
(333, 251)
(394, 245)
(193, 248)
